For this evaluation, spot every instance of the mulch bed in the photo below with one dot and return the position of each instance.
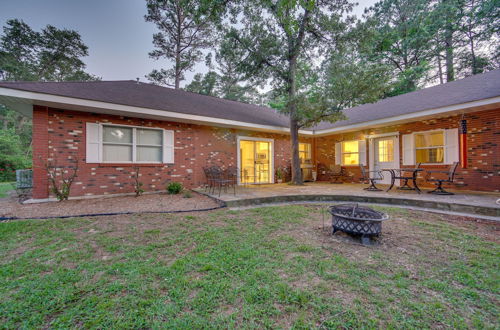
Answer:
(162, 202)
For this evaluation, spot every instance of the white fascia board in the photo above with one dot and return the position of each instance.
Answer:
(133, 111)
(407, 117)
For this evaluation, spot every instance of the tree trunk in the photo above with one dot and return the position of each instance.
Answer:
(475, 69)
(178, 49)
(440, 69)
(448, 40)
(294, 125)
(294, 137)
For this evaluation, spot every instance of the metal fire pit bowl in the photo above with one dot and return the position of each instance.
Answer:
(357, 220)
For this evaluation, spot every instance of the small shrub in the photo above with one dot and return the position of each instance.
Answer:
(61, 179)
(187, 194)
(137, 184)
(174, 188)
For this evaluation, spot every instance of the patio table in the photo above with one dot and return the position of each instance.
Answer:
(398, 173)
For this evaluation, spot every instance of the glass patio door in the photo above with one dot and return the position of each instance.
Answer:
(255, 162)
(385, 156)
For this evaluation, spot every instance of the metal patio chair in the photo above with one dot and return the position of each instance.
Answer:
(445, 177)
(366, 177)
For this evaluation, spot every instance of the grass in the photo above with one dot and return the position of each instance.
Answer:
(267, 267)
(5, 187)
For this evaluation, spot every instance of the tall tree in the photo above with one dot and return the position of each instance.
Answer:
(477, 28)
(49, 55)
(184, 30)
(401, 32)
(280, 39)
(205, 84)
(224, 80)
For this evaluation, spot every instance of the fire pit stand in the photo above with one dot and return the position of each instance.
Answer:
(357, 220)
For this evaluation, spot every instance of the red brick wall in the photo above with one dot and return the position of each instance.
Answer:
(40, 151)
(483, 142)
(59, 137)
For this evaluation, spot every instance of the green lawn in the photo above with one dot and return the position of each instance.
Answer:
(5, 187)
(267, 267)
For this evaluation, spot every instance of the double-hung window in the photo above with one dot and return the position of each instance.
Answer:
(109, 143)
(430, 147)
(131, 144)
(117, 144)
(350, 153)
(305, 153)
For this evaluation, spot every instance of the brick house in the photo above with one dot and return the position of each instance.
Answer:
(110, 127)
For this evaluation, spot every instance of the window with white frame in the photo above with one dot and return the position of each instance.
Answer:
(350, 152)
(305, 152)
(430, 147)
(131, 144)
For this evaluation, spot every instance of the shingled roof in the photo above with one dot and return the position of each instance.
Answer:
(132, 93)
(474, 88)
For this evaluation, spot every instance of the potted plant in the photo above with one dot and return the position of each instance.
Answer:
(279, 175)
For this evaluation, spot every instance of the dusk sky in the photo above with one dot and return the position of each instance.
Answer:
(114, 30)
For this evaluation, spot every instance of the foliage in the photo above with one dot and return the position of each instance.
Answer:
(187, 193)
(279, 173)
(185, 28)
(174, 188)
(61, 178)
(12, 156)
(424, 41)
(279, 41)
(5, 187)
(398, 35)
(224, 80)
(256, 268)
(137, 184)
(205, 84)
(49, 55)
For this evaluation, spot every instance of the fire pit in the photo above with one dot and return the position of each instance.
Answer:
(357, 220)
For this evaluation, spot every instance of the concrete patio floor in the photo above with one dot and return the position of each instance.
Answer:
(482, 204)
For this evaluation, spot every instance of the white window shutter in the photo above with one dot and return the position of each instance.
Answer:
(408, 149)
(93, 137)
(451, 153)
(168, 147)
(338, 153)
(362, 152)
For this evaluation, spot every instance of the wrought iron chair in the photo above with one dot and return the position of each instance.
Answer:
(366, 177)
(208, 176)
(219, 179)
(213, 174)
(446, 177)
(232, 177)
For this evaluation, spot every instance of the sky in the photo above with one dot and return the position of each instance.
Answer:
(118, 38)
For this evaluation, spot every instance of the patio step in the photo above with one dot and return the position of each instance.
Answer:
(444, 206)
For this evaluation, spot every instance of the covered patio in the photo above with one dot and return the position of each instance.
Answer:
(485, 205)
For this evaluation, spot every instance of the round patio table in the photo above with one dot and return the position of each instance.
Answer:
(399, 173)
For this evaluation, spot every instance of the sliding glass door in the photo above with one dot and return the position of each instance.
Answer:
(255, 161)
